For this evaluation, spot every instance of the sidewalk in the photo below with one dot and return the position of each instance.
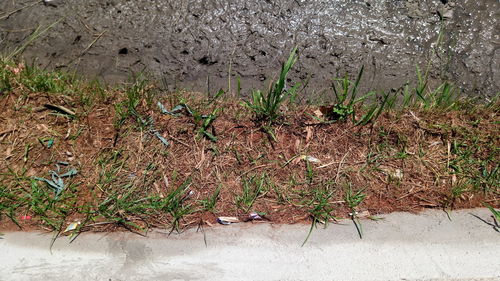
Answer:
(401, 247)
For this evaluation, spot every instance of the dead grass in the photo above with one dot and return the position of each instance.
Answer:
(407, 160)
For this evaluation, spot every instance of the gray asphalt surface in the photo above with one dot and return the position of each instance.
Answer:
(196, 43)
(403, 246)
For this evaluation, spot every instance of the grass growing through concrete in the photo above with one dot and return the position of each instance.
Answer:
(144, 158)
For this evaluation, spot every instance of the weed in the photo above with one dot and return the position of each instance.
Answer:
(207, 123)
(353, 200)
(346, 100)
(174, 204)
(57, 182)
(253, 188)
(321, 209)
(309, 172)
(209, 203)
(345, 92)
(204, 122)
(37, 80)
(266, 107)
(496, 216)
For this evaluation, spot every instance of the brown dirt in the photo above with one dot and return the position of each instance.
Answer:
(244, 150)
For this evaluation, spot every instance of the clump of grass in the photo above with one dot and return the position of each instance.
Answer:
(495, 215)
(10, 202)
(37, 80)
(204, 122)
(353, 200)
(481, 173)
(128, 107)
(320, 209)
(175, 204)
(253, 188)
(347, 100)
(266, 106)
(444, 97)
(209, 203)
(125, 205)
(5, 78)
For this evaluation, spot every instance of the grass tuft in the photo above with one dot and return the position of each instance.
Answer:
(266, 106)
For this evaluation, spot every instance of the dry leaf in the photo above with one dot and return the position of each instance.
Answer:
(309, 131)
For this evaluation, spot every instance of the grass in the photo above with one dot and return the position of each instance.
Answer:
(141, 165)
(347, 103)
(353, 200)
(209, 203)
(320, 209)
(253, 188)
(496, 216)
(266, 104)
(37, 33)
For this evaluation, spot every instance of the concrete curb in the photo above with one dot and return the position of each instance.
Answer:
(403, 246)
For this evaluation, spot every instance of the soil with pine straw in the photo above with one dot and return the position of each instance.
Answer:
(407, 160)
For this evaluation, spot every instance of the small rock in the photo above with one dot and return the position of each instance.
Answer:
(448, 14)
(52, 3)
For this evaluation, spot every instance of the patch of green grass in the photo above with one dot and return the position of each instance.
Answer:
(346, 101)
(175, 204)
(9, 203)
(21, 194)
(5, 78)
(209, 203)
(253, 188)
(320, 209)
(125, 205)
(37, 80)
(266, 106)
(481, 173)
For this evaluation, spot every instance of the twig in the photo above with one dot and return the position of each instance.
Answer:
(254, 168)
(19, 9)
(340, 166)
(88, 47)
(181, 142)
(6, 132)
(93, 42)
(411, 193)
